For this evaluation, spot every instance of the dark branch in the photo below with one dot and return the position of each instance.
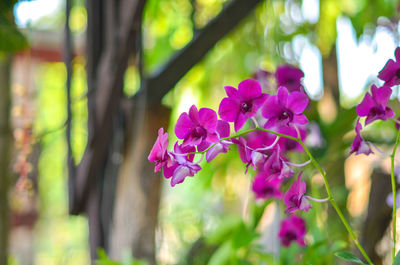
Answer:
(68, 64)
(168, 75)
(110, 74)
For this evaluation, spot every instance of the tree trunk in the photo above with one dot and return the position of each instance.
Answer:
(378, 216)
(138, 191)
(5, 147)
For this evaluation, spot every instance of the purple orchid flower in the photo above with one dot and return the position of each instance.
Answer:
(263, 77)
(276, 166)
(391, 71)
(245, 153)
(293, 228)
(359, 146)
(181, 165)
(290, 77)
(266, 188)
(158, 153)
(285, 109)
(295, 199)
(253, 151)
(242, 103)
(375, 107)
(288, 144)
(223, 131)
(260, 139)
(197, 127)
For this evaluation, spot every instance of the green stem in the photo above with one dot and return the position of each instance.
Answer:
(333, 202)
(394, 221)
(321, 171)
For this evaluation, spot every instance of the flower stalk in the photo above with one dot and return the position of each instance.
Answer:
(393, 179)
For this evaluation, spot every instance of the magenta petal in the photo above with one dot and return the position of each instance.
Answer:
(397, 54)
(297, 102)
(228, 109)
(370, 118)
(271, 108)
(294, 197)
(181, 149)
(212, 137)
(203, 146)
(266, 188)
(292, 228)
(191, 141)
(183, 126)
(180, 173)
(283, 96)
(381, 95)
(223, 129)
(241, 145)
(301, 242)
(388, 71)
(366, 104)
(271, 123)
(194, 114)
(183, 171)
(300, 119)
(231, 92)
(216, 150)
(389, 113)
(169, 171)
(240, 121)
(358, 127)
(300, 185)
(249, 89)
(159, 150)
(260, 101)
(208, 119)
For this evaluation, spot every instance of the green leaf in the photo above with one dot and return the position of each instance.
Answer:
(266, 257)
(12, 39)
(243, 236)
(103, 259)
(397, 259)
(349, 257)
(225, 230)
(222, 255)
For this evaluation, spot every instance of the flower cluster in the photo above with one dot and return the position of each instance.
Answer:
(268, 124)
(374, 105)
(267, 116)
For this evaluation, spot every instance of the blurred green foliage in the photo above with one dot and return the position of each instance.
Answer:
(60, 238)
(12, 39)
(126, 260)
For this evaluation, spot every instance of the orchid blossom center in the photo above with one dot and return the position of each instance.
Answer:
(286, 115)
(276, 168)
(200, 132)
(290, 235)
(290, 80)
(245, 107)
(377, 111)
(296, 200)
(267, 190)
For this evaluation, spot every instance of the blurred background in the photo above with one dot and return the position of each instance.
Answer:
(85, 85)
